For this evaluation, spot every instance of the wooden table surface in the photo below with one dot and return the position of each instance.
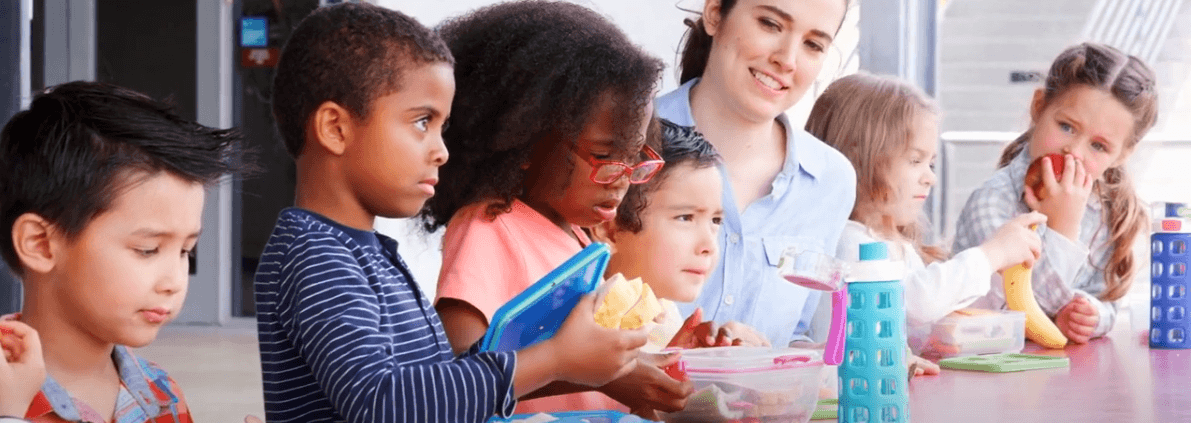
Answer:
(1117, 378)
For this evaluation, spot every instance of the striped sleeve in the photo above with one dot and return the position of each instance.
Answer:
(331, 312)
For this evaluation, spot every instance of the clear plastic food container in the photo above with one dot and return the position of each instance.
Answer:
(812, 269)
(972, 331)
(755, 384)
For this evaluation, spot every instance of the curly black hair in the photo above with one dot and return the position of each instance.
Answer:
(79, 145)
(680, 145)
(351, 54)
(528, 75)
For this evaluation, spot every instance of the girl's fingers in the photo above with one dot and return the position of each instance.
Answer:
(1078, 319)
(1048, 173)
(1032, 199)
(1071, 168)
(1080, 173)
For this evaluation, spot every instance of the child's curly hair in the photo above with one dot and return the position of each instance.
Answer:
(530, 73)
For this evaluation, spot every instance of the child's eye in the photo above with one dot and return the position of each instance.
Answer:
(146, 252)
(1099, 146)
(685, 217)
(1066, 128)
(422, 123)
(717, 221)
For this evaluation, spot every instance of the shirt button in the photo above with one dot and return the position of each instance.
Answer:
(729, 300)
(734, 238)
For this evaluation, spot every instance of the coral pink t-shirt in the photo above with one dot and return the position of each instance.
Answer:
(487, 262)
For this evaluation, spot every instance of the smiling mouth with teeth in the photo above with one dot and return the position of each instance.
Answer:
(768, 81)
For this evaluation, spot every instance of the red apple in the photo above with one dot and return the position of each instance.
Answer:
(1034, 173)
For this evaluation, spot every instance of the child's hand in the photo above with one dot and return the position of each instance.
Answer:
(252, 419)
(1066, 197)
(920, 366)
(698, 334)
(23, 369)
(694, 333)
(590, 354)
(1078, 320)
(1015, 243)
(648, 388)
(737, 333)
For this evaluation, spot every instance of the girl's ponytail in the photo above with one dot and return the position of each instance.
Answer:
(1014, 148)
(1126, 219)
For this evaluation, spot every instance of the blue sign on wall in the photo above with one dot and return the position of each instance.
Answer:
(254, 31)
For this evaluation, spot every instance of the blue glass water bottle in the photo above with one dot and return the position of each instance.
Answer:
(873, 375)
(1169, 283)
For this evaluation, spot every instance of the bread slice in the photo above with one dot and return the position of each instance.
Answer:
(629, 304)
(645, 310)
(619, 299)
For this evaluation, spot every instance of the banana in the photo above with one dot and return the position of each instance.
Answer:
(1019, 295)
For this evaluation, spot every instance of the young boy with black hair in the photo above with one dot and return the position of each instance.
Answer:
(361, 97)
(101, 199)
(665, 233)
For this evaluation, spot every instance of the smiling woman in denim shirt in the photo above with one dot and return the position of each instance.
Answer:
(744, 63)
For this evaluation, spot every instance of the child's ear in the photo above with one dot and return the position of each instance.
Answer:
(1037, 105)
(711, 16)
(332, 127)
(34, 240)
(605, 232)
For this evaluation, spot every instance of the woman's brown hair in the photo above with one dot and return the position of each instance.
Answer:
(871, 120)
(1132, 83)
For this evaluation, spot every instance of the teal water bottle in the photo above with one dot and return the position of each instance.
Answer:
(873, 387)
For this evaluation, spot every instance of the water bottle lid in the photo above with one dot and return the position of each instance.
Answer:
(1177, 210)
(874, 251)
(875, 265)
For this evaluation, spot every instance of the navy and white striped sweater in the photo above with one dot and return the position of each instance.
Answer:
(345, 335)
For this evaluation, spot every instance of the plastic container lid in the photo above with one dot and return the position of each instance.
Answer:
(536, 313)
(747, 359)
(812, 269)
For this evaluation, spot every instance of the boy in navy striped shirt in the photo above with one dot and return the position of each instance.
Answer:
(361, 96)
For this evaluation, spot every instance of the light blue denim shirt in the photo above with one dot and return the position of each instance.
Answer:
(807, 206)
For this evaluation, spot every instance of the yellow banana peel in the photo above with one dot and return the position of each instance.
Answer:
(1019, 295)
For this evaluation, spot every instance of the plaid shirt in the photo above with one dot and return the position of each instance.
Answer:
(1065, 269)
(147, 394)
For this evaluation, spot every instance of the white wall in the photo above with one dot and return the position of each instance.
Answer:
(655, 25)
